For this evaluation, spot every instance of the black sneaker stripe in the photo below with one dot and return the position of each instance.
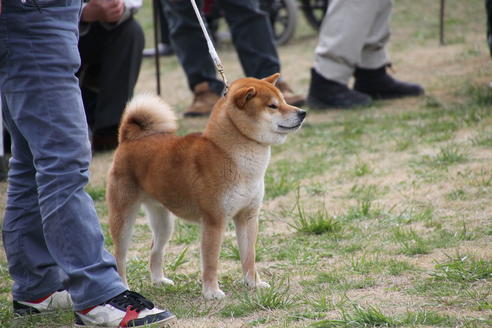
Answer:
(154, 318)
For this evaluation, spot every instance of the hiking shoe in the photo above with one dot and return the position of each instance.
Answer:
(203, 101)
(326, 94)
(290, 97)
(129, 309)
(59, 300)
(380, 85)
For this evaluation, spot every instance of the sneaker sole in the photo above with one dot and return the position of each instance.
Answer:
(28, 320)
(168, 322)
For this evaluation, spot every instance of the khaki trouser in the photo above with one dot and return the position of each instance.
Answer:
(354, 34)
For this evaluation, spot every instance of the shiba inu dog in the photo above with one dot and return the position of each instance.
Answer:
(207, 178)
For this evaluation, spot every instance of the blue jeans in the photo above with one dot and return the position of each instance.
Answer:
(51, 233)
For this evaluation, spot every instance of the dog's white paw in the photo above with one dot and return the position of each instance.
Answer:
(162, 281)
(213, 294)
(262, 284)
(256, 283)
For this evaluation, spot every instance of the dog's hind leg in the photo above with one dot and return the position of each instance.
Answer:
(123, 205)
(162, 225)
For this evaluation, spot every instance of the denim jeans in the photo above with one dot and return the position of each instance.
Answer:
(251, 33)
(51, 233)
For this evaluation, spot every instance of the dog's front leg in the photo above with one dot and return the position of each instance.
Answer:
(246, 232)
(212, 236)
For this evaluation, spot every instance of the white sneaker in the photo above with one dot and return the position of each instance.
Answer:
(128, 309)
(59, 300)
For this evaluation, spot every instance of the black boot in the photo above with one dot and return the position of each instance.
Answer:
(380, 85)
(324, 94)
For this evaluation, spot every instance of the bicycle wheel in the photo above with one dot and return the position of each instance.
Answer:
(283, 17)
(314, 11)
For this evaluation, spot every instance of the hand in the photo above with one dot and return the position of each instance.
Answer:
(108, 11)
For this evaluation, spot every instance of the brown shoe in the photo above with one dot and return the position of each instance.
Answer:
(203, 102)
(290, 98)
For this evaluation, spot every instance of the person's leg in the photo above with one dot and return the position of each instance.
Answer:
(342, 37)
(374, 51)
(191, 49)
(115, 72)
(34, 272)
(42, 96)
(252, 36)
(371, 75)
(119, 69)
(164, 26)
(190, 45)
(164, 47)
(91, 47)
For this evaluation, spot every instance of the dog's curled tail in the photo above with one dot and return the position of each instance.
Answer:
(145, 115)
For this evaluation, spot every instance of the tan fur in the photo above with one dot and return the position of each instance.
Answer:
(208, 179)
(145, 115)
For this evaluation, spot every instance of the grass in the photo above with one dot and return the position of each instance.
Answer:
(463, 268)
(375, 217)
(274, 297)
(410, 241)
(359, 317)
(370, 316)
(318, 222)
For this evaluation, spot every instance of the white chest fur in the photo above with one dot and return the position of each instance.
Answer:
(248, 188)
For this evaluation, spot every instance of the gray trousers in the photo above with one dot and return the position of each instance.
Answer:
(51, 232)
(354, 34)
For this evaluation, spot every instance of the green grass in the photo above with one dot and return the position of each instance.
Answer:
(318, 222)
(410, 241)
(96, 193)
(463, 268)
(370, 316)
(276, 296)
(359, 317)
(185, 233)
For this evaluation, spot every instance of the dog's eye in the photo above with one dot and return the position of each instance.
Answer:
(273, 106)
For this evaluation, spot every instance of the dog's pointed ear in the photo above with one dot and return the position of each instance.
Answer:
(243, 95)
(272, 78)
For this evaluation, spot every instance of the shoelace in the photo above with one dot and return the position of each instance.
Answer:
(134, 300)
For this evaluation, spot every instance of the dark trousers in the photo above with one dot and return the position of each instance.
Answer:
(111, 62)
(251, 33)
(163, 25)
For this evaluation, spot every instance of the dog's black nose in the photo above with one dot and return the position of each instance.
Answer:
(301, 114)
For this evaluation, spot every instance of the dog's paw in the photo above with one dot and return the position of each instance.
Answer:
(256, 283)
(262, 284)
(163, 281)
(213, 294)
